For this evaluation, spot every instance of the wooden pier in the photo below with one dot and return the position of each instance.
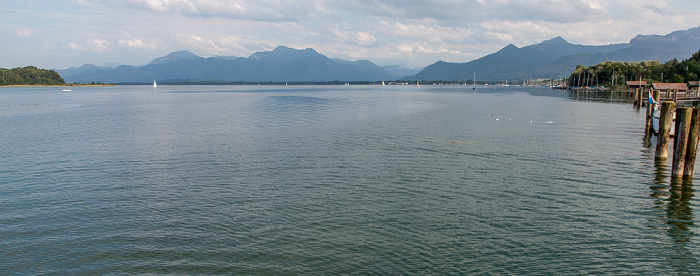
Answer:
(671, 99)
(686, 127)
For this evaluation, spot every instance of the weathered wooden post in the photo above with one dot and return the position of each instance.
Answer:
(675, 95)
(640, 97)
(667, 109)
(680, 144)
(636, 95)
(657, 97)
(649, 128)
(689, 167)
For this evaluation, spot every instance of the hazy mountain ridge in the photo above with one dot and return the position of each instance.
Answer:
(557, 57)
(280, 65)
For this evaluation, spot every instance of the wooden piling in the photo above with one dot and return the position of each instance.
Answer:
(693, 135)
(667, 109)
(657, 97)
(649, 128)
(675, 95)
(680, 145)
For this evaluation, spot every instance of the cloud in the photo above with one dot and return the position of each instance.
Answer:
(92, 45)
(23, 33)
(99, 45)
(414, 32)
(137, 43)
(355, 38)
(466, 12)
(259, 10)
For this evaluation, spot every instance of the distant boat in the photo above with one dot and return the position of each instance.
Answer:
(474, 82)
(155, 85)
(418, 83)
(383, 83)
(66, 90)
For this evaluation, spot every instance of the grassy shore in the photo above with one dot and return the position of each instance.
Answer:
(60, 85)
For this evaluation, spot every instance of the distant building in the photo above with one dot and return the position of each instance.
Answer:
(693, 85)
(669, 88)
(631, 85)
(681, 87)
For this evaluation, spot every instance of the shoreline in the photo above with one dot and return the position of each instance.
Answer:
(61, 85)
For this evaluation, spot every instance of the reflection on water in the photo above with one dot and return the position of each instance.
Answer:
(673, 196)
(613, 96)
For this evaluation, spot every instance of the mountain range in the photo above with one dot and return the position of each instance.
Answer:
(280, 65)
(557, 58)
(552, 58)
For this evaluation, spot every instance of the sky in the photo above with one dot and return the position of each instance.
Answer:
(58, 34)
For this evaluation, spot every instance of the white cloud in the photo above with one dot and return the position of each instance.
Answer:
(98, 45)
(355, 38)
(137, 43)
(23, 33)
(259, 10)
(201, 45)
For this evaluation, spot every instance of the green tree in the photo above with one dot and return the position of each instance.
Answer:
(30, 75)
(651, 71)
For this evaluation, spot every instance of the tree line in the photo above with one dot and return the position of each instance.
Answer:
(611, 73)
(30, 75)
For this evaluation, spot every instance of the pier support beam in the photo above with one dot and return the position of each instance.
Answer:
(657, 97)
(680, 144)
(675, 95)
(689, 167)
(667, 109)
(649, 128)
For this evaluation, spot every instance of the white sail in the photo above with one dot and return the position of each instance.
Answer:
(154, 84)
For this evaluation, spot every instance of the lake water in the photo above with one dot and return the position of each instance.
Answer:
(320, 180)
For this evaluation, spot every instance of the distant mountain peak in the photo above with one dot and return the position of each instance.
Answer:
(285, 53)
(175, 57)
(283, 48)
(692, 33)
(556, 40)
(286, 50)
(509, 48)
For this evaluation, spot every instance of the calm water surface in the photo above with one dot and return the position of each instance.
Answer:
(334, 180)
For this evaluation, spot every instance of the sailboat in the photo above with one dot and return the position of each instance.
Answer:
(474, 82)
(418, 83)
(154, 84)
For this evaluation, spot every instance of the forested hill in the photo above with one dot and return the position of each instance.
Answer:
(672, 71)
(29, 75)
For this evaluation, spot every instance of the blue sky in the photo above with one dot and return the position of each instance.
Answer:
(59, 34)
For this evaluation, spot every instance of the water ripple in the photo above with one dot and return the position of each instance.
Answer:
(370, 180)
